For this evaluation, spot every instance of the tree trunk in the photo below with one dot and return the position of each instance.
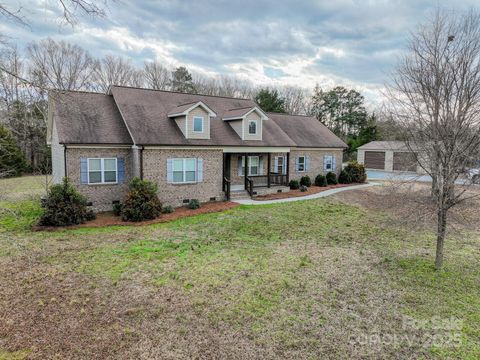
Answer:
(441, 231)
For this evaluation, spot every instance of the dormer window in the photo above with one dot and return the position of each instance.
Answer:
(198, 124)
(193, 119)
(247, 122)
(252, 127)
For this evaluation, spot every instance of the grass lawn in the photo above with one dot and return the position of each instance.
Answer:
(328, 278)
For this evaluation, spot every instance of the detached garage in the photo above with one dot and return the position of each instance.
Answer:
(387, 156)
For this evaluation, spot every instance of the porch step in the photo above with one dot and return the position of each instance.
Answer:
(239, 194)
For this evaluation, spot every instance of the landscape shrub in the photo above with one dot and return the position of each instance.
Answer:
(305, 180)
(320, 180)
(117, 209)
(331, 178)
(64, 205)
(294, 184)
(167, 209)
(344, 178)
(141, 202)
(356, 172)
(303, 188)
(194, 204)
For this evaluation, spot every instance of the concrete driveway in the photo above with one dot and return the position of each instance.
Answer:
(404, 176)
(399, 176)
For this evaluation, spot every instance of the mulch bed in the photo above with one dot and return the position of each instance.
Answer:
(109, 219)
(297, 193)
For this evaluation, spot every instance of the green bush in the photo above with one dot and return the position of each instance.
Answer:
(294, 184)
(320, 180)
(303, 188)
(167, 209)
(356, 172)
(331, 178)
(344, 177)
(117, 209)
(194, 204)
(141, 202)
(305, 180)
(64, 205)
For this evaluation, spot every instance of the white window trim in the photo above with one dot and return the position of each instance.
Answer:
(304, 163)
(250, 165)
(193, 124)
(185, 171)
(102, 171)
(256, 127)
(284, 161)
(329, 160)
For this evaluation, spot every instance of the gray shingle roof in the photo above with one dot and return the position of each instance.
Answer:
(88, 118)
(384, 145)
(91, 118)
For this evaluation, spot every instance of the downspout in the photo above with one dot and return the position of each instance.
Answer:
(141, 162)
(65, 160)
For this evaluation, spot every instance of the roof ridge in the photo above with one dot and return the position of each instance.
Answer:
(179, 92)
(78, 91)
(241, 108)
(287, 114)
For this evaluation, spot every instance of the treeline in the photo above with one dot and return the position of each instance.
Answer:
(26, 75)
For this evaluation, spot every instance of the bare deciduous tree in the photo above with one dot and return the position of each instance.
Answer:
(114, 70)
(435, 93)
(71, 9)
(296, 99)
(61, 65)
(156, 75)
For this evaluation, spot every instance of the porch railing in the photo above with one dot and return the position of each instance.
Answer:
(226, 187)
(250, 186)
(262, 180)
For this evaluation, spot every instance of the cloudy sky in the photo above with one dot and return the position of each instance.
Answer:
(353, 43)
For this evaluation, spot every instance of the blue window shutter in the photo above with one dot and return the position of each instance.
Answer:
(307, 163)
(121, 170)
(83, 170)
(334, 164)
(296, 163)
(275, 166)
(199, 170)
(325, 162)
(169, 170)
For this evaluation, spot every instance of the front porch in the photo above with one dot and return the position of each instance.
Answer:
(266, 173)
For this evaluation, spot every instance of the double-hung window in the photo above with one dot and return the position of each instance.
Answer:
(328, 166)
(301, 163)
(252, 127)
(102, 171)
(253, 166)
(198, 124)
(280, 165)
(184, 170)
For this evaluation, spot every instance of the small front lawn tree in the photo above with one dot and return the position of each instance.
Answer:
(141, 202)
(435, 95)
(64, 206)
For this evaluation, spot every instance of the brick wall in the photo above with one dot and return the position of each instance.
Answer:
(101, 195)
(155, 169)
(316, 162)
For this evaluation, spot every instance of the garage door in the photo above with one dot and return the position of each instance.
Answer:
(404, 161)
(375, 160)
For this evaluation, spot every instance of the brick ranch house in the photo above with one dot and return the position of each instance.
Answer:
(192, 146)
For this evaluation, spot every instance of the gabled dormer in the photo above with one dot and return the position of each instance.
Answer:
(247, 122)
(193, 119)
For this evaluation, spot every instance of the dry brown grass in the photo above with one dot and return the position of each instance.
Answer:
(288, 281)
